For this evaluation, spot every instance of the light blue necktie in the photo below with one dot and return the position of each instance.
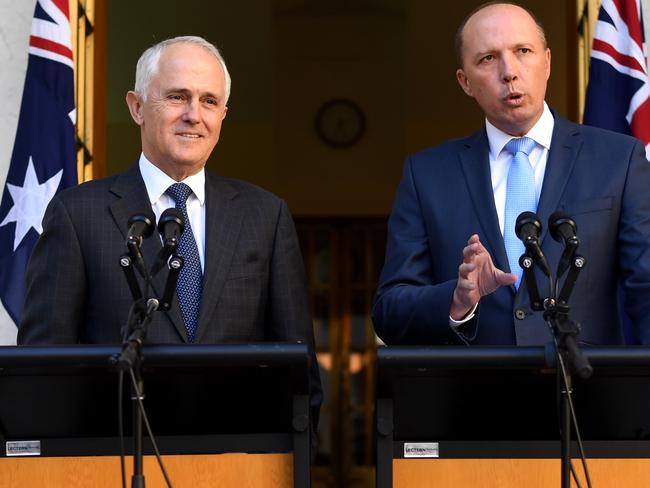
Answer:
(520, 197)
(189, 286)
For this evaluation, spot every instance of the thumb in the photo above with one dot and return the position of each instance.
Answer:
(504, 278)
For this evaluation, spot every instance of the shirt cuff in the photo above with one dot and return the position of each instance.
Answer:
(470, 315)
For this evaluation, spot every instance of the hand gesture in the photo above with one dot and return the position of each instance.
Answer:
(477, 277)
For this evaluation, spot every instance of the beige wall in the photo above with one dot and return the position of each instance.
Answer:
(393, 57)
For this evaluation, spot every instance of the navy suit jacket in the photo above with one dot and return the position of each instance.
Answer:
(254, 286)
(598, 177)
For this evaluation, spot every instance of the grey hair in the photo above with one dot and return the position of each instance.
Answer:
(148, 63)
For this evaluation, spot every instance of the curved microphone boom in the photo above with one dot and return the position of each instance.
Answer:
(141, 226)
(528, 228)
(564, 229)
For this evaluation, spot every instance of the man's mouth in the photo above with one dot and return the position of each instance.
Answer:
(188, 135)
(514, 99)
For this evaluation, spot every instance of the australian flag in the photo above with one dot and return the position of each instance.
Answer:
(44, 154)
(618, 95)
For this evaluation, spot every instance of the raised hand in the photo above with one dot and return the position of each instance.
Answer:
(477, 277)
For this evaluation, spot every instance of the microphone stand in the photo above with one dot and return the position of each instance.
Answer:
(130, 359)
(565, 330)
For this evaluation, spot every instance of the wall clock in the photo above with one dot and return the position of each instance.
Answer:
(340, 123)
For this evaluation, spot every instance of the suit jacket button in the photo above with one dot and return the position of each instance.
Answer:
(520, 314)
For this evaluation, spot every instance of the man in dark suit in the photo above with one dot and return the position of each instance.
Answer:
(249, 282)
(452, 208)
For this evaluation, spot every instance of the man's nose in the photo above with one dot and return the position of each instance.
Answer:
(192, 111)
(508, 68)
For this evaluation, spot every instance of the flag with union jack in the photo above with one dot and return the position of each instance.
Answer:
(618, 95)
(43, 160)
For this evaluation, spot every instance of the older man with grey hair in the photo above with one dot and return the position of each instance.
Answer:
(243, 279)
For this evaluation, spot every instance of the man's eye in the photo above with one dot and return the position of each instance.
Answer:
(176, 97)
(524, 50)
(489, 57)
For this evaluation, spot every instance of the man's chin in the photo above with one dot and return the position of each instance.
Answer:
(189, 160)
(517, 123)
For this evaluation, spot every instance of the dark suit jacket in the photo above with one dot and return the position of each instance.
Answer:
(254, 281)
(599, 178)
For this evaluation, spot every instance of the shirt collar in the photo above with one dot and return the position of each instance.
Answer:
(541, 133)
(157, 181)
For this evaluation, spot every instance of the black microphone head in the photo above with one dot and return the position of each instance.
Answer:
(528, 225)
(561, 226)
(142, 224)
(174, 217)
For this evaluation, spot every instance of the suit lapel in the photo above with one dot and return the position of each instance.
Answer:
(562, 156)
(132, 193)
(475, 164)
(223, 221)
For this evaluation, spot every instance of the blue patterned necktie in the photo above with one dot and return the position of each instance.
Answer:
(190, 280)
(520, 197)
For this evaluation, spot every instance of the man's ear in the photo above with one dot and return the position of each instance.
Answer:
(464, 82)
(135, 107)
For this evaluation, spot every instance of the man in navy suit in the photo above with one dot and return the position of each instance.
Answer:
(446, 279)
(250, 283)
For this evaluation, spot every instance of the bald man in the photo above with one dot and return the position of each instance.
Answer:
(448, 277)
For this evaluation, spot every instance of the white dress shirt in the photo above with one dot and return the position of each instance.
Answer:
(157, 183)
(500, 160)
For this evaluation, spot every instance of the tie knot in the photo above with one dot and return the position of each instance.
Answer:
(520, 144)
(179, 192)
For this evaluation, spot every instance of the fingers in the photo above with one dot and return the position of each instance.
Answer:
(464, 298)
(473, 249)
(466, 294)
(465, 269)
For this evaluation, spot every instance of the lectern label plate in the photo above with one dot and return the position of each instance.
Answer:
(23, 448)
(421, 450)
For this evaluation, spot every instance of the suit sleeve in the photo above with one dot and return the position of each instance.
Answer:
(55, 283)
(634, 244)
(289, 312)
(409, 307)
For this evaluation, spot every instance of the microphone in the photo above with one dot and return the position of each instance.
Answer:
(141, 226)
(171, 225)
(564, 229)
(528, 228)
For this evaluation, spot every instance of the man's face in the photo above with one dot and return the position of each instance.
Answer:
(181, 119)
(505, 67)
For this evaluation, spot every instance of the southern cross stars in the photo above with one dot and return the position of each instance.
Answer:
(30, 202)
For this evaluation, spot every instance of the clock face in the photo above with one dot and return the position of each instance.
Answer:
(340, 123)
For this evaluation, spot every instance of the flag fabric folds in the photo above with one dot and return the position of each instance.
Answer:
(618, 94)
(43, 160)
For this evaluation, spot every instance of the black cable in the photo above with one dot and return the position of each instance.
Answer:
(146, 423)
(574, 419)
(120, 423)
(575, 475)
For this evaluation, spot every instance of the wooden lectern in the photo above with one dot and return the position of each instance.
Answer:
(222, 415)
(457, 417)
